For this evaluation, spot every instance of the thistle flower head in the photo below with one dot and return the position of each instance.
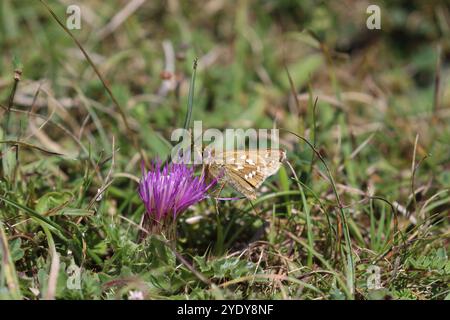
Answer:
(169, 191)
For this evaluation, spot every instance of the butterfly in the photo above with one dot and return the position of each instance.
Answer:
(245, 170)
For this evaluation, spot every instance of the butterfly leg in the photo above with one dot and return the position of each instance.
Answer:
(222, 185)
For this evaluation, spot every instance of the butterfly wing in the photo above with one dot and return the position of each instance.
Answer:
(239, 183)
(246, 171)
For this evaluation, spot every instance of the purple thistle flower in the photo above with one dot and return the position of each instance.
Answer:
(169, 191)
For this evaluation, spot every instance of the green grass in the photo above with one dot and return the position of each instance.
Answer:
(369, 183)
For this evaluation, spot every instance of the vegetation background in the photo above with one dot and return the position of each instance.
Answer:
(381, 126)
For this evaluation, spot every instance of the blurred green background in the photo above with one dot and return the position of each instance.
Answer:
(381, 122)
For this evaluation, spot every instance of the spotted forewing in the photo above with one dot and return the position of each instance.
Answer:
(245, 170)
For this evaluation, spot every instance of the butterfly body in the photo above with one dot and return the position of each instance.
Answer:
(245, 170)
